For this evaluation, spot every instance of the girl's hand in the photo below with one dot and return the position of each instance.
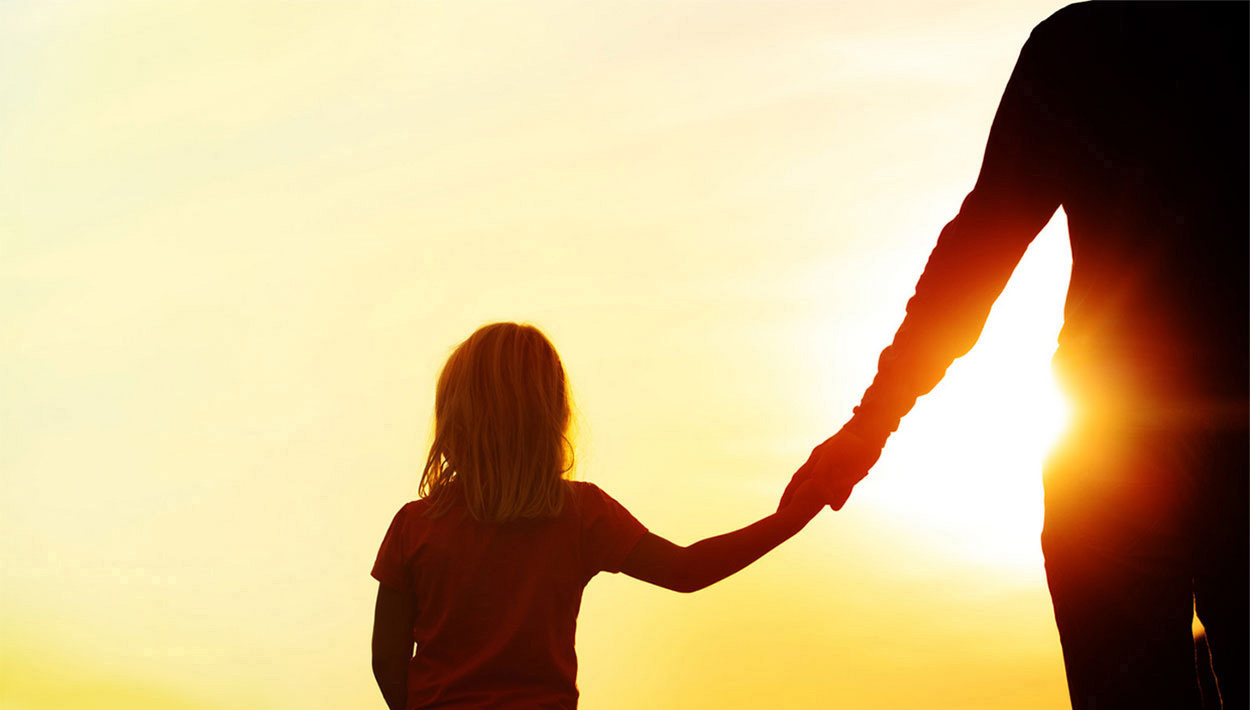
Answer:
(839, 463)
(810, 497)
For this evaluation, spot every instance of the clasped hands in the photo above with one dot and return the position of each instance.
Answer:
(836, 465)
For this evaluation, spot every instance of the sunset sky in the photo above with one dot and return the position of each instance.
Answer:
(239, 239)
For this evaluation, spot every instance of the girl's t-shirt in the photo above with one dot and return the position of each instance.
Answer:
(496, 604)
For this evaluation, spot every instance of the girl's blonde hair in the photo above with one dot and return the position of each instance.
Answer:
(501, 417)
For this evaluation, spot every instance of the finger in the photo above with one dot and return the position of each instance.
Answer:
(800, 477)
(789, 492)
(844, 472)
(840, 496)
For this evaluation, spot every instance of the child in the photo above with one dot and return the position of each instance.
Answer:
(485, 572)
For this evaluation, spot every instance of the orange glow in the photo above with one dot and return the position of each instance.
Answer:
(238, 240)
(965, 468)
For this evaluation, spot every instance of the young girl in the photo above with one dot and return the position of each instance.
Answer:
(485, 572)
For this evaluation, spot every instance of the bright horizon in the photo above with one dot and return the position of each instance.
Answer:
(237, 242)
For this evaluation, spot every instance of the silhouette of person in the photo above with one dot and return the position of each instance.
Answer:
(1132, 116)
(485, 572)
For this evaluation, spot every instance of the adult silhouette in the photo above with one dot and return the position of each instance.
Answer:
(1132, 116)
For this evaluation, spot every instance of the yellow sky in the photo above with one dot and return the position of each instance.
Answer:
(237, 241)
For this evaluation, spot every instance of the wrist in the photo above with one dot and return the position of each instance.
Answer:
(872, 430)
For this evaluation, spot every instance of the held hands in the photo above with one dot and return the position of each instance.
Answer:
(808, 498)
(835, 466)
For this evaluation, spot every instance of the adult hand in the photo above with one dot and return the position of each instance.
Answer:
(811, 496)
(839, 462)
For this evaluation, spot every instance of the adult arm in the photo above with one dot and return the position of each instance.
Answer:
(392, 644)
(1016, 193)
(693, 567)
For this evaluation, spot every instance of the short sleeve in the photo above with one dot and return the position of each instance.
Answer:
(391, 566)
(609, 532)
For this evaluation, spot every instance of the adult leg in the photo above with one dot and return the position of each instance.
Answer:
(1125, 630)
(1120, 575)
(1222, 578)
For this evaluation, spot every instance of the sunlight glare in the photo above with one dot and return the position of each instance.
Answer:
(965, 467)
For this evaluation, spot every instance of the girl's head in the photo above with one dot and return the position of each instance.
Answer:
(501, 414)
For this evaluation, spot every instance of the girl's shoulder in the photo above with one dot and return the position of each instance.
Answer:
(581, 487)
(581, 491)
(581, 495)
(411, 513)
(415, 507)
(591, 499)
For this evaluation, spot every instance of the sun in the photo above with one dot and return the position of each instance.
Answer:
(964, 469)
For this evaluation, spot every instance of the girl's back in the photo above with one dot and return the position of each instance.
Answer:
(485, 573)
(496, 603)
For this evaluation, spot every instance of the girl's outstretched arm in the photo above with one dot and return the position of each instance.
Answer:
(392, 644)
(691, 568)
